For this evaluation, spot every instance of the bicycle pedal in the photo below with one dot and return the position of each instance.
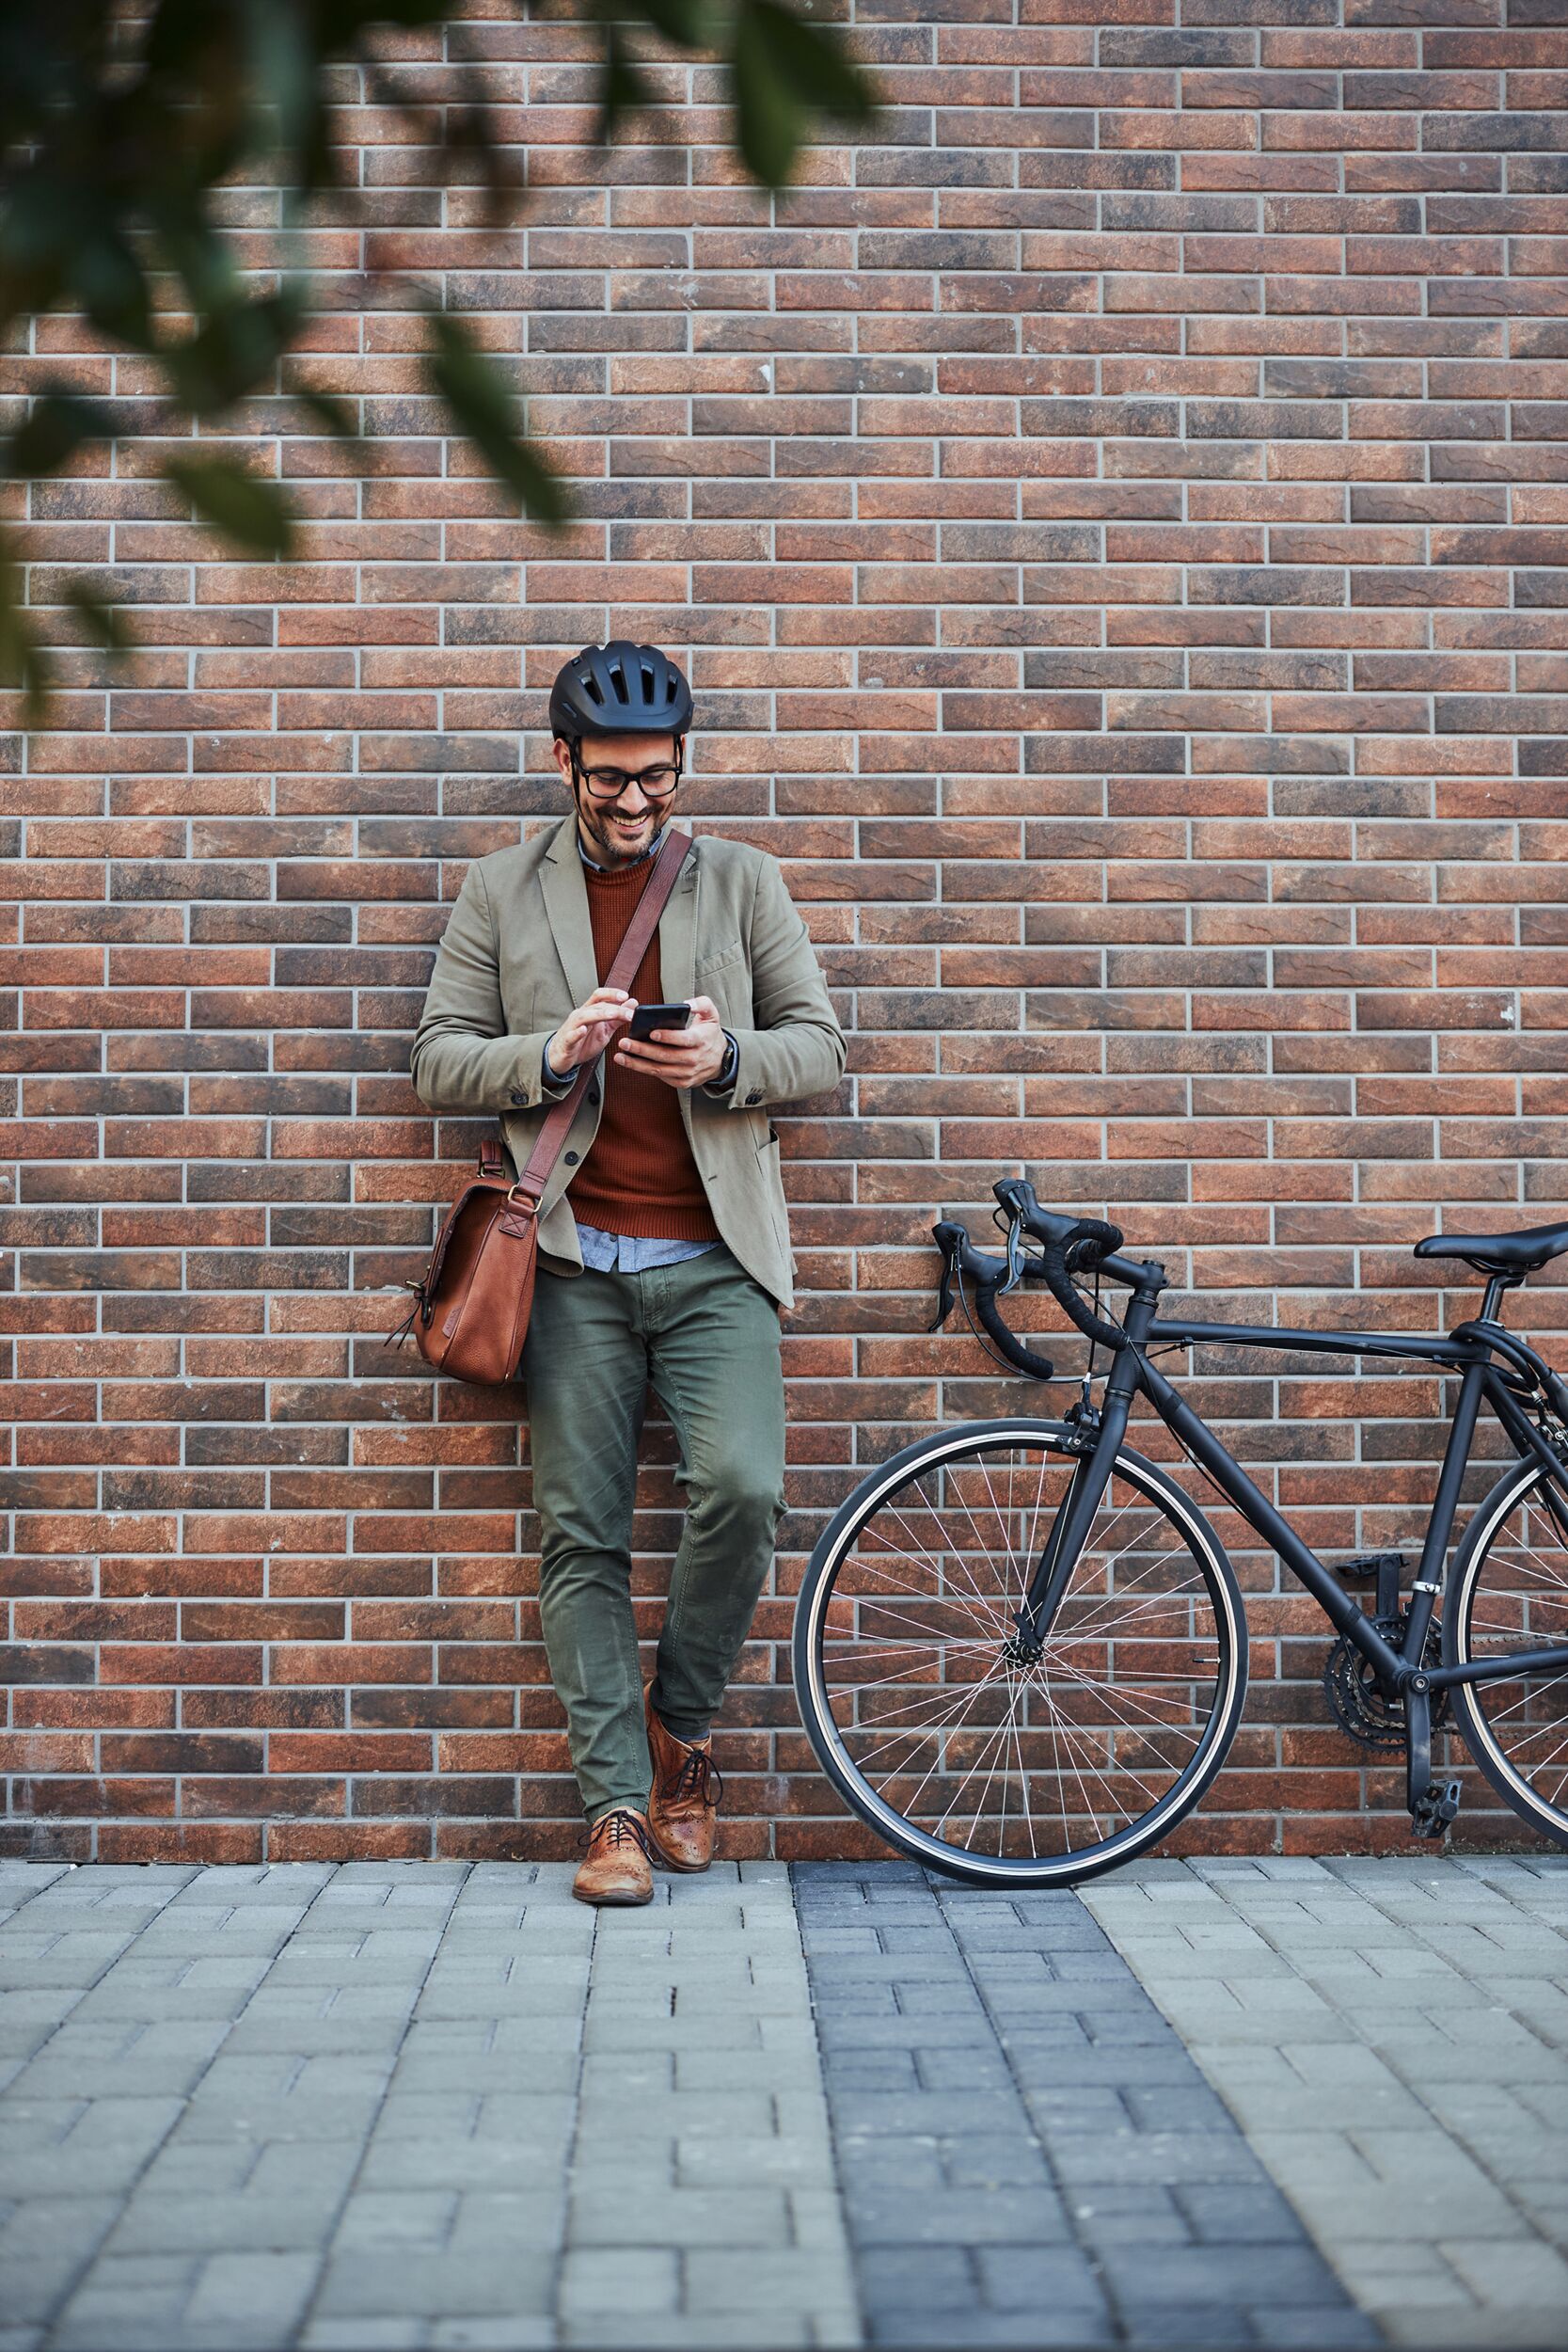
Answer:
(1431, 1813)
(1387, 1568)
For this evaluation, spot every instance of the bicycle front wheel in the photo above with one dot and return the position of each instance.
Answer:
(1508, 1591)
(936, 1725)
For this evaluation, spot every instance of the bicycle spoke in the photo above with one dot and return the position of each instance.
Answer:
(957, 1598)
(957, 1559)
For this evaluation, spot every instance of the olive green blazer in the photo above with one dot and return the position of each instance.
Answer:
(518, 955)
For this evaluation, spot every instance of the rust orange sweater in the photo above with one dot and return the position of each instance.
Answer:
(639, 1177)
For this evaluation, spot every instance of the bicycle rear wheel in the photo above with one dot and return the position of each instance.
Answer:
(1510, 1592)
(954, 1746)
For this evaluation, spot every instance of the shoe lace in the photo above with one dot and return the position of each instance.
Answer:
(620, 1828)
(699, 1776)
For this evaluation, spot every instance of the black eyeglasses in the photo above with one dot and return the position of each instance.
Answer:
(608, 783)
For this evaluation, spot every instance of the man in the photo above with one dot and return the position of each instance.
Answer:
(663, 1235)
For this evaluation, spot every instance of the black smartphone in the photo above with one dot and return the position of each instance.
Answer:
(647, 1018)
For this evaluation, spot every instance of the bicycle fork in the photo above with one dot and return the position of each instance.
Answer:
(1065, 1539)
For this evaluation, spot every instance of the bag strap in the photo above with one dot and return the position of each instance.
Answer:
(633, 947)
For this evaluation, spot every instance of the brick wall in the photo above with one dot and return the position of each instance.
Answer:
(1113, 518)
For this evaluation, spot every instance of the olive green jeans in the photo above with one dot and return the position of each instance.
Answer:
(705, 1335)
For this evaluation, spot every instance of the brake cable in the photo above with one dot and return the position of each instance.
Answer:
(985, 1341)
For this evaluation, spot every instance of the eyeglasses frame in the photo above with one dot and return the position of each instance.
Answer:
(608, 800)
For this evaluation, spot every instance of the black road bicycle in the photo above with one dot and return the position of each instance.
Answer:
(1021, 1651)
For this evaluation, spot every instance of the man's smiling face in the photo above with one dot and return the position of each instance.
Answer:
(615, 831)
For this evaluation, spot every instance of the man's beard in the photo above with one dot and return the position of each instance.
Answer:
(613, 850)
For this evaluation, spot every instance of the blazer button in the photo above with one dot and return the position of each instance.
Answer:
(519, 1098)
(571, 1159)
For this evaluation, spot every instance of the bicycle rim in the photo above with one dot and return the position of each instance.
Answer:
(1511, 1593)
(959, 1751)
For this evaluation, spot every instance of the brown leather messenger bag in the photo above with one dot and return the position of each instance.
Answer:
(471, 1306)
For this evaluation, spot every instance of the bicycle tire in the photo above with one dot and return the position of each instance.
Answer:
(836, 1545)
(1461, 1632)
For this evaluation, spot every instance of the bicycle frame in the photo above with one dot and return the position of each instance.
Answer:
(1468, 1350)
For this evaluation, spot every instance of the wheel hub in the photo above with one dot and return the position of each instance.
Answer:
(1023, 1646)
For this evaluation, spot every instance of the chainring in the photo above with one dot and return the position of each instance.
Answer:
(1368, 1713)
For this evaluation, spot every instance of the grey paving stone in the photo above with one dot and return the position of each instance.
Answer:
(415, 2216)
(408, 2333)
(368, 2282)
(1008, 2162)
(250, 2300)
(935, 2278)
(1060, 2279)
(626, 2283)
(45, 2241)
(910, 2327)
(243, 2222)
(1110, 2219)
(960, 2217)
(416, 2160)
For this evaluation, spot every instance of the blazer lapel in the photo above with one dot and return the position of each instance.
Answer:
(678, 933)
(567, 906)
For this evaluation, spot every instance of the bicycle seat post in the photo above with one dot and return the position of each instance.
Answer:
(1491, 1306)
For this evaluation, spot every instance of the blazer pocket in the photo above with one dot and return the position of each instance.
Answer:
(730, 951)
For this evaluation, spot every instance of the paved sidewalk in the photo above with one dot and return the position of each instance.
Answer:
(396, 2106)
(419, 2103)
(1393, 2037)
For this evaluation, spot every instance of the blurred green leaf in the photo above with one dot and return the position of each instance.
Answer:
(623, 85)
(285, 81)
(243, 505)
(236, 352)
(785, 69)
(104, 622)
(330, 412)
(482, 403)
(687, 23)
(106, 278)
(124, 132)
(60, 422)
(23, 664)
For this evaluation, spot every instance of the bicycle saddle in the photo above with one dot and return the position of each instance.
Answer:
(1499, 1253)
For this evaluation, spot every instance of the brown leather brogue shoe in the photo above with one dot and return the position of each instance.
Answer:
(616, 1867)
(683, 1809)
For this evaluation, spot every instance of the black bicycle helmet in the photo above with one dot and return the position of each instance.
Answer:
(620, 688)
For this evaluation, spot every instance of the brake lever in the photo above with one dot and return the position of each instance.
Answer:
(949, 1237)
(1015, 1256)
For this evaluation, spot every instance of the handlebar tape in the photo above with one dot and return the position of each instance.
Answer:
(987, 1274)
(1080, 1251)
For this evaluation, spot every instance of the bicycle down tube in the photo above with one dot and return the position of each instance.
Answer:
(1133, 1372)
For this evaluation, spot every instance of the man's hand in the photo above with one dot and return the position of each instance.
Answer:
(682, 1057)
(585, 1033)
